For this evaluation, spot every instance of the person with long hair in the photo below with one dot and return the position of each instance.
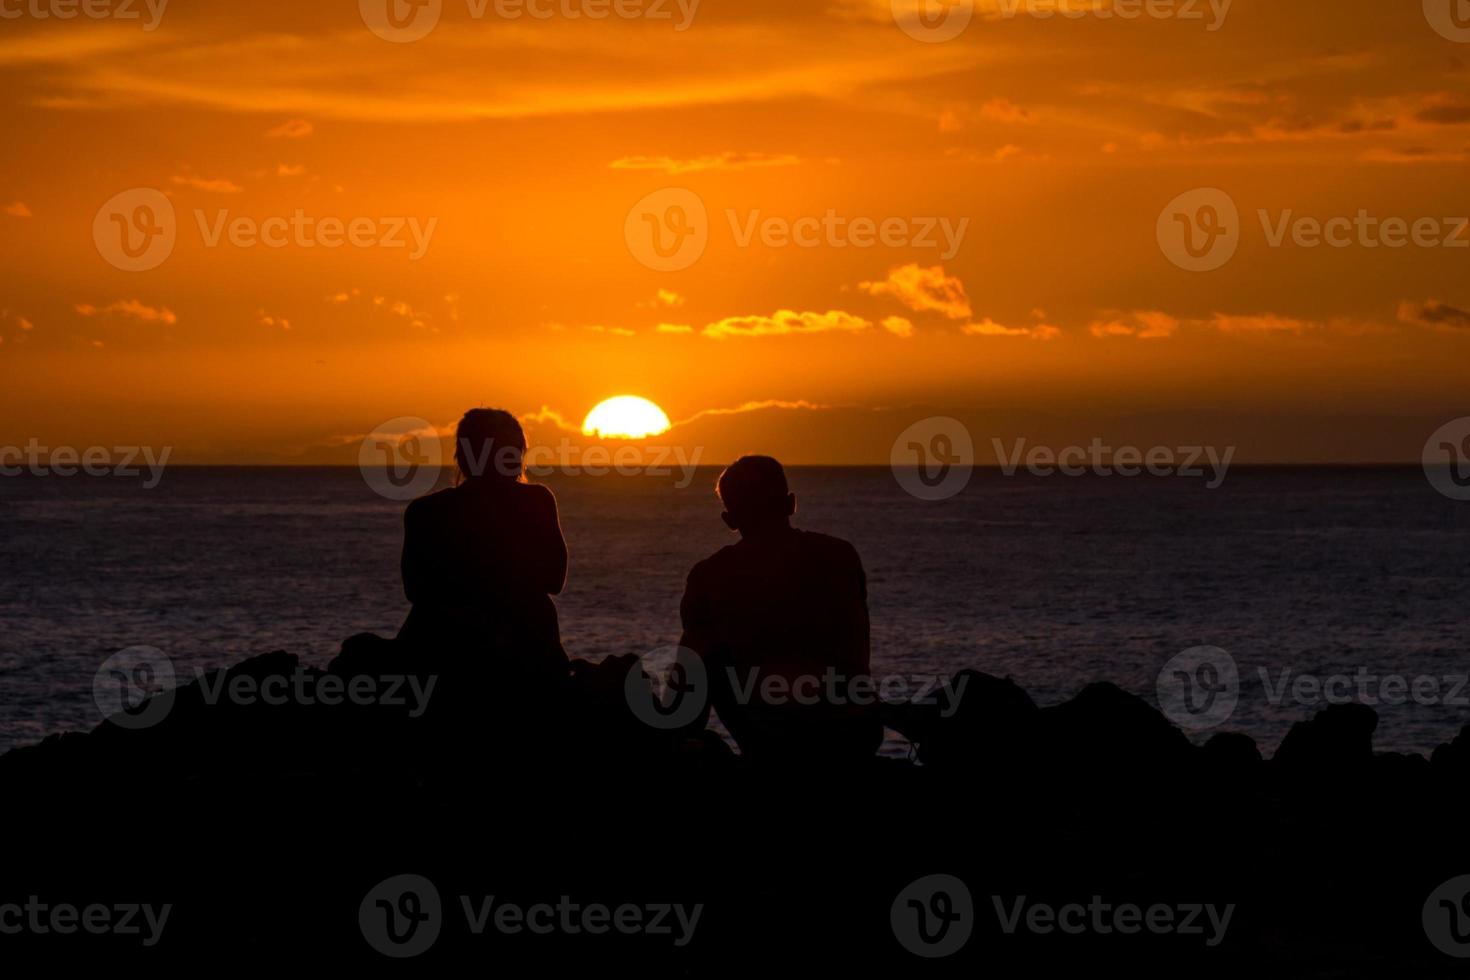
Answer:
(483, 558)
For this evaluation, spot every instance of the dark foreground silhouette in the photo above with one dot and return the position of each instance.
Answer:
(787, 606)
(267, 828)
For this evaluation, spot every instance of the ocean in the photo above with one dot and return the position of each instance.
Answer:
(1346, 582)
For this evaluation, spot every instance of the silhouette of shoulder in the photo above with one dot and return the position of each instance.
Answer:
(441, 502)
(745, 557)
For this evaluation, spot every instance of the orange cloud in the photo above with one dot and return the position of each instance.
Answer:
(923, 289)
(1260, 323)
(719, 161)
(219, 186)
(784, 323)
(899, 326)
(1143, 324)
(131, 309)
(989, 328)
(1434, 314)
(17, 210)
(295, 129)
(754, 406)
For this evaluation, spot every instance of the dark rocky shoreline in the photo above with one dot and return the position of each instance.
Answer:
(264, 825)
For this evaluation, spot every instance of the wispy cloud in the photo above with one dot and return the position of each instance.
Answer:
(899, 326)
(754, 406)
(131, 309)
(785, 323)
(1141, 324)
(923, 290)
(718, 161)
(294, 129)
(989, 328)
(1434, 314)
(211, 185)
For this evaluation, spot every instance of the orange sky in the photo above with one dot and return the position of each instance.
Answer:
(519, 146)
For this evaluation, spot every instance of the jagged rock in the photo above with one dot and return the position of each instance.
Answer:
(1339, 738)
(1105, 732)
(1231, 755)
(976, 719)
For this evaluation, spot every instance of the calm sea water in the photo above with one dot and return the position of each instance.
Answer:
(1054, 581)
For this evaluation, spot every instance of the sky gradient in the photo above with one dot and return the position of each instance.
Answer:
(893, 226)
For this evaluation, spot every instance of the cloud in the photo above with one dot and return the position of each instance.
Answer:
(1434, 314)
(989, 328)
(718, 161)
(477, 71)
(131, 309)
(754, 406)
(1260, 323)
(271, 320)
(295, 129)
(923, 289)
(218, 186)
(23, 323)
(784, 323)
(1154, 324)
(17, 210)
(663, 299)
(899, 326)
(401, 309)
(1415, 154)
(549, 416)
(957, 118)
(285, 170)
(675, 328)
(610, 331)
(1142, 324)
(1445, 113)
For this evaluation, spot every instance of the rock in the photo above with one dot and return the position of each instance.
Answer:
(1338, 740)
(1105, 732)
(976, 720)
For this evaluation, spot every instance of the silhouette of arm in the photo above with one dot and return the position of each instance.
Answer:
(412, 564)
(694, 615)
(863, 624)
(547, 561)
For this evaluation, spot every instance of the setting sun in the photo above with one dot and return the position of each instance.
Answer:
(626, 417)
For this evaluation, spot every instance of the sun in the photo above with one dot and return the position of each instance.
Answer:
(626, 417)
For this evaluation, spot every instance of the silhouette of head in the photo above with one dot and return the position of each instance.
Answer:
(755, 494)
(489, 442)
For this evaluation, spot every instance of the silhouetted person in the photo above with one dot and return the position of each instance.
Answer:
(482, 559)
(782, 610)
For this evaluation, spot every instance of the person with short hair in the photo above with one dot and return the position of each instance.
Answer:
(779, 621)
